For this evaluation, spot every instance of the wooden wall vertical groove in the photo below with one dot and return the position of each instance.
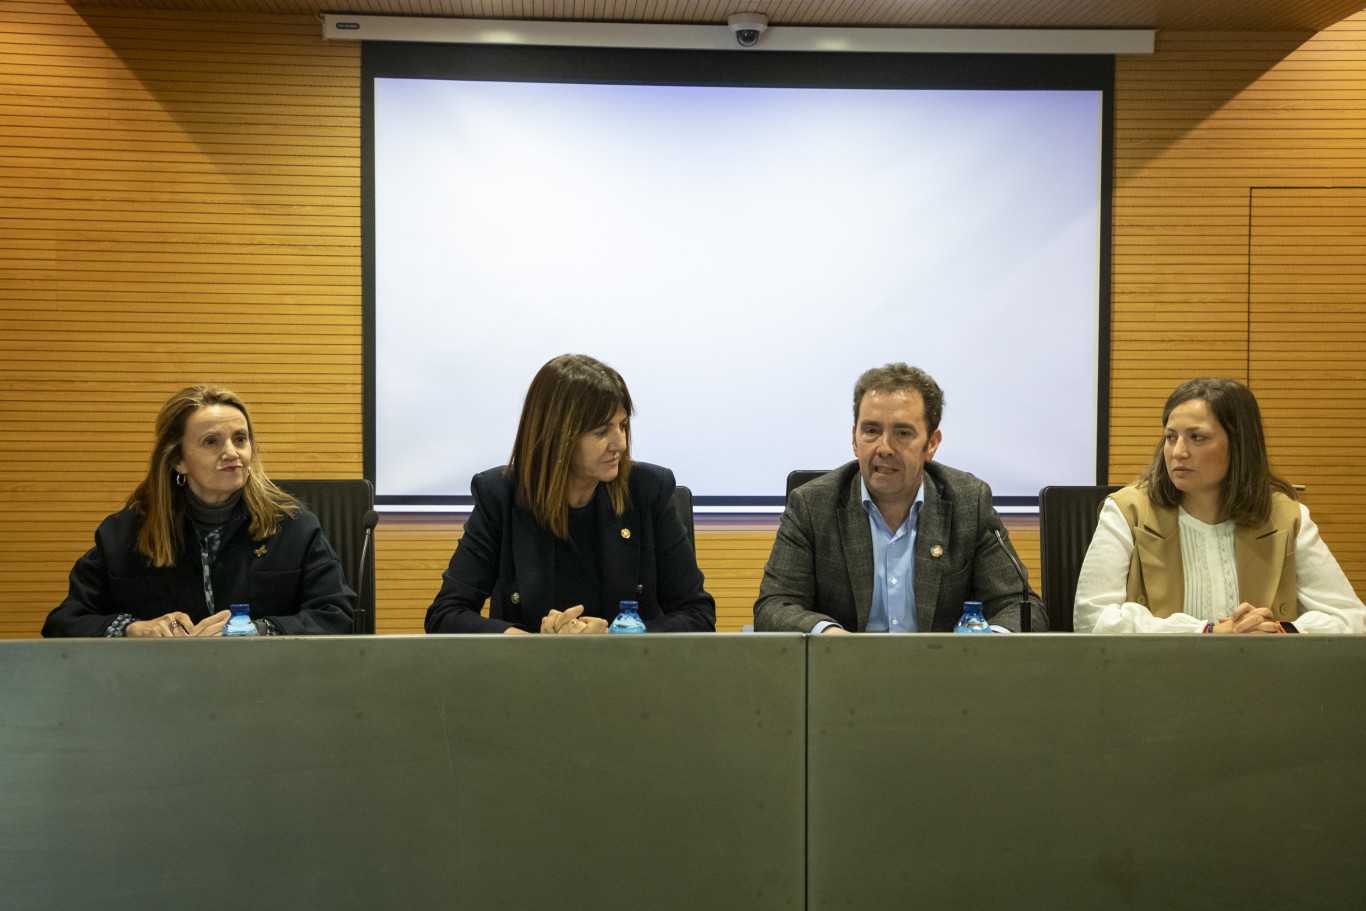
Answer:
(179, 201)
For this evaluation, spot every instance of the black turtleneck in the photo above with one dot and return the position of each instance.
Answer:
(205, 517)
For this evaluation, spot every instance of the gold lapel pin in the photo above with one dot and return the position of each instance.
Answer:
(936, 551)
(626, 534)
(261, 551)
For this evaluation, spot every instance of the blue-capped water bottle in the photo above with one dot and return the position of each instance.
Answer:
(628, 619)
(239, 624)
(972, 620)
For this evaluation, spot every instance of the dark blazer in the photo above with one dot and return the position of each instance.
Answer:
(821, 567)
(293, 578)
(507, 555)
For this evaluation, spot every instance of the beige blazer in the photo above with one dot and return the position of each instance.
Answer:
(1265, 555)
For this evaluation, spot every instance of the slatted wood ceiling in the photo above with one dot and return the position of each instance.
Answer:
(179, 200)
(1169, 15)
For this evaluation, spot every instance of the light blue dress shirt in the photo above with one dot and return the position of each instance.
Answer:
(893, 609)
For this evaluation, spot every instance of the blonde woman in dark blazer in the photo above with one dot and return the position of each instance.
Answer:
(205, 529)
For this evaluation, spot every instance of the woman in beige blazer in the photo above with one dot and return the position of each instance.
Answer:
(1209, 539)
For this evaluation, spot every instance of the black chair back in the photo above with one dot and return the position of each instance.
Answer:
(341, 507)
(1067, 520)
(799, 477)
(683, 503)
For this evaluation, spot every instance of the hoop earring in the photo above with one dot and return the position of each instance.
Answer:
(179, 479)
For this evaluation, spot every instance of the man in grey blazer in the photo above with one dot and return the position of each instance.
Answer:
(893, 541)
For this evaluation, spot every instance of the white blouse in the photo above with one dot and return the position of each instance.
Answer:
(1327, 603)
(1210, 568)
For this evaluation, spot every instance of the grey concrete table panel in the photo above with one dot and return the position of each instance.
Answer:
(1060, 772)
(376, 773)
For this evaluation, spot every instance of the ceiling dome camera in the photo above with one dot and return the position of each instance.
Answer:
(747, 27)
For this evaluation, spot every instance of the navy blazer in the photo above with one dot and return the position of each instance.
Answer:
(506, 555)
(293, 578)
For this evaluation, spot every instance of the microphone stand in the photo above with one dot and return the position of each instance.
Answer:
(1026, 606)
(370, 520)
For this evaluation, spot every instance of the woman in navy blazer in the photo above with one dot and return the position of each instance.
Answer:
(205, 529)
(571, 526)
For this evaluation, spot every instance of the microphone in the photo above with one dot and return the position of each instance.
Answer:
(1026, 606)
(369, 521)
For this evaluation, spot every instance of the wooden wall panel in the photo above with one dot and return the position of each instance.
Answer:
(731, 554)
(411, 553)
(1204, 129)
(179, 201)
(1308, 339)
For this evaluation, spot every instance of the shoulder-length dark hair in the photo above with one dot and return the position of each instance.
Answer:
(569, 396)
(162, 502)
(1247, 488)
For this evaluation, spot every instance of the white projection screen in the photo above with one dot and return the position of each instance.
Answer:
(740, 235)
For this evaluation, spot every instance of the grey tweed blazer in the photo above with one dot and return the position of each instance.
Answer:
(821, 567)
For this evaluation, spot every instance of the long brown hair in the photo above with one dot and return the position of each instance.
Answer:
(569, 396)
(162, 502)
(1246, 491)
